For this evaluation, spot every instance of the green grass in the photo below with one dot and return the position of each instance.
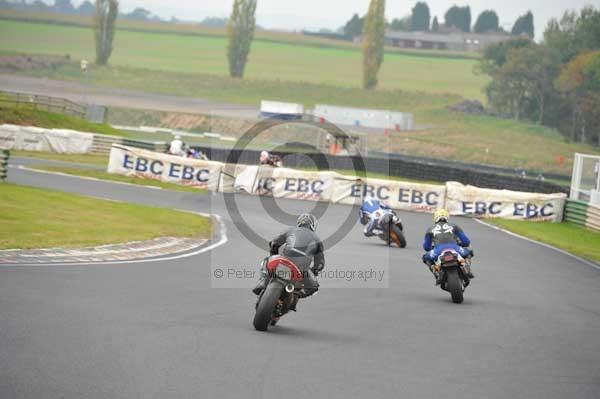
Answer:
(575, 239)
(36, 218)
(269, 60)
(28, 115)
(92, 159)
(195, 29)
(98, 174)
(193, 65)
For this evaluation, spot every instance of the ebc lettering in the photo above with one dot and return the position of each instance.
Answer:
(127, 162)
(174, 170)
(154, 169)
(203, 175)
(141, 165)
(265, 184)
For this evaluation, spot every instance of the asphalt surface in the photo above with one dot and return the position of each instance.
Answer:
(114, 97)
(126, 98)
(529, 326)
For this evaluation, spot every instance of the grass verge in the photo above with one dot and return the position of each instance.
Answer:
(28, 115)
(575, 239)
(36, 218)
(91, 159)
(98, 174)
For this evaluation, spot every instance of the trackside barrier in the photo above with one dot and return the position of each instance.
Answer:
(582, 214)
(4, 155)
(334, 187)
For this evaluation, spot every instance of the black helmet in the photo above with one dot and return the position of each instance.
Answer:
(307, 220)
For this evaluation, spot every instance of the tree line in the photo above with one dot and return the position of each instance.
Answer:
(556, 82)
(85, 9)
(455, 18)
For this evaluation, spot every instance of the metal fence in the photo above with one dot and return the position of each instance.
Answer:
(47, 103)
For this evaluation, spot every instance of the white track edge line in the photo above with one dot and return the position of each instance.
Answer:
(543, 244)
(22, 167)
(222, 240)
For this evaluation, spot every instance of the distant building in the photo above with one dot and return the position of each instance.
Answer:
(455, 41)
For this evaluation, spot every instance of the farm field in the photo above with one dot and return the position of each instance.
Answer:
(338, 66)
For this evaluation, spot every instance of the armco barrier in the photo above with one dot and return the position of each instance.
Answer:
(410, 169)
(103, 143)
(4, 155)
(582, 214)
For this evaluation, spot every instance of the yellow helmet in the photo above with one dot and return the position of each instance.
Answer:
(441, 214)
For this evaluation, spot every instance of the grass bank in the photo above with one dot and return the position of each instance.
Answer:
(36, 218)
(575, 239)
(28, 115)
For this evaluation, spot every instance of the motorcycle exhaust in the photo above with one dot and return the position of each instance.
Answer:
(289, 288)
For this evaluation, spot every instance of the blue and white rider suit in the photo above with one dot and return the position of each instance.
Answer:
(371, 212)
(443, 236)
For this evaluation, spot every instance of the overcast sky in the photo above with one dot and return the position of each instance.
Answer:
(313, 14)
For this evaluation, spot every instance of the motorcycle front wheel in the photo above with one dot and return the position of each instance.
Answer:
(266, 306)
(398, 236)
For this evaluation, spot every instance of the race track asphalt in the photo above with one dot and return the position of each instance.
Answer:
(529, 326)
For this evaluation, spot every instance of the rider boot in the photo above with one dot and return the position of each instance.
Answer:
(262, 283)
(467, 268)
(431, 267)
(260, 287)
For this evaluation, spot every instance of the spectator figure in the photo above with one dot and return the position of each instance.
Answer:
(270, 159)
(196, 154)
(177, 147)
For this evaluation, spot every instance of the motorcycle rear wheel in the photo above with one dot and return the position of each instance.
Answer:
(264, 310)
(454, 286)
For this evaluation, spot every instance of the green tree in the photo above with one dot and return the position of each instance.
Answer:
(373, 43)
(495, 55)
(240, 30)
(574, 33)
(458, 17)
(104, 29)
(579, 82)
(524, 24)
(403, 24)
(354, 27)
(435, 25)
(487, 21)
(420, 17)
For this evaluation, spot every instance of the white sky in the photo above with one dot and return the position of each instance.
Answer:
(312, 14)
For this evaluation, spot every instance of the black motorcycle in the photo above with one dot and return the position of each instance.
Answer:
(451, 272)
(284, 289)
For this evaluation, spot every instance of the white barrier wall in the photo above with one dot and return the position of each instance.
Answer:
(334, 187)
(481, 202)
(26, 138)
(136, 162)
(400, 195)
(365, 117)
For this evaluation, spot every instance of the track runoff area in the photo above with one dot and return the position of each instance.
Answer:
(528, 326)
